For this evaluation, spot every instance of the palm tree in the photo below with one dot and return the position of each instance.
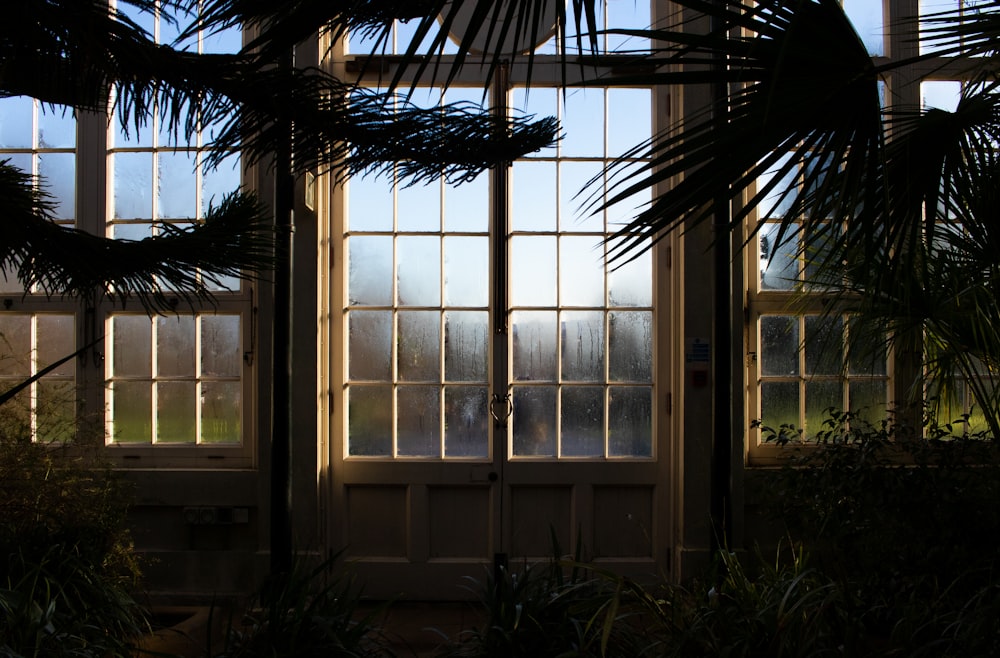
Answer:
(79, 54)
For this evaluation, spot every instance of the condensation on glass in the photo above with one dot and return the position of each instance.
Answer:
(579, 376)
(175, 379)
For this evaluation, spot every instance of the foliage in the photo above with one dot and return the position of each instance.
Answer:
(311, 612)
(69, 568)
(554, 608)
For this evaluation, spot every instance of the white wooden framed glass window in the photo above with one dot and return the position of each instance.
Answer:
(171, 389)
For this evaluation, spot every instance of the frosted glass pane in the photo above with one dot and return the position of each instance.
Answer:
(466, 341)
(15, 344)
(533, 194)
(58, 173)
(534, 345)
(419, 345)
(9, 283)
(867, 398)
(583, 346)
(867, 352)
(466, 422)
(370, 339)
(467, 206)
(218, 182)
(370, 272)
(130, 136)
(631, 284)
(369, 204)
(575, 190)
(56, 128)
(220, 412)
(533, 270)
(132, 346)
(419, 422)
(940, 94)
(630, 119)
(131, 412)
(866, 16)
(176, 412)
(466, 271)
(581, 271)
(16, 122)
(418, 207)
(176, 186)
(779, 345)
(820, 396)
(824, 345)
(220, 345)
(132, 231)
(623, 212)
(630, 346)
(56, 339)
(133, 185)
(369, 421)
(534, 421)
(55, 406)
(778, 262)
(175, 346)
(582, 421)
(630, 421)
(582, 123)
(419, 270)
(779, 404)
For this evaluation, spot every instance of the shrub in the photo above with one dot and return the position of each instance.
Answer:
(69, 566)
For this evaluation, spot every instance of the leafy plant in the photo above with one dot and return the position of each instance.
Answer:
(309, 612)
(65, 583)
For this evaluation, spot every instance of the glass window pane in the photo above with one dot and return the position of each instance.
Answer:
(866, 16)
(16, 118)
(220, 412)
(630, 335)
(779, 404)
(418, 207)
(533, 196)
(370, 204)
(821, 395)
(466, 344)
(419, 423)
(582, 123)
(624, 14)
(55, 409)
(575, 191)
(418, 274)
(868, 398)
(15, 344)
(534, 421)
(824, 345)
(533, 270)
(581, 271)
(370, 271)
(582, 346)
(176, 186)
(220, 346)
(55, 340)
(419, 346)
(467, 206)
(370, 336)
(466, 271)
(218, 182)
(779, 345)
(175, 346)
(133, 186)
(779, 265)
(131, 412)
(630, 421)
(534, 345)
(132, 346)
(631, 284)
(466, 423)
(582, 418)
(58, 173)
(176, 411)
(630, 119)
(369, 421)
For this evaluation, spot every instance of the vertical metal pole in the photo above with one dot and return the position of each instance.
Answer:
(281, 393)
(722, 365)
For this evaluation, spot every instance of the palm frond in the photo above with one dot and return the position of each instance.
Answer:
(185, 264)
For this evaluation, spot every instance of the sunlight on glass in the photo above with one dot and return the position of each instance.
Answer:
(533, 270)
(534, 421)
(581, 271)
(582, 123)
(582, 346)
(466, 421)
(940, 94)
(534, 340)
(533, 196)
(779, 345)
(574, 196)
(779, 264)
(369, 420)
(866, 16)
(582, 421)
(418, 424)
